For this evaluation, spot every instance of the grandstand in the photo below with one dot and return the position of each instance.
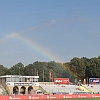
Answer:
(83, 88)
(70, 89)
(94, 88)
(54, 88)
(1, 91)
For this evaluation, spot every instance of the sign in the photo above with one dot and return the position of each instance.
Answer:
(26, 84)
(48, 97)
(61, 80)
(94, 80)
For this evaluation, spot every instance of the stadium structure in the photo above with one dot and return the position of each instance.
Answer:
(29, 87)
(17, 84)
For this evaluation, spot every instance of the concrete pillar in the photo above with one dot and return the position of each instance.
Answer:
(11, 90)
(19, 89)
(26, 91)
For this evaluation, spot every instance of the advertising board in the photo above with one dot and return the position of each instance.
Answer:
(94, 80)
(48, 97)
(61, 80)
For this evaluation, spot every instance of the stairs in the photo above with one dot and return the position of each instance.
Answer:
(84, 89)
(5, 91)
(42, 89)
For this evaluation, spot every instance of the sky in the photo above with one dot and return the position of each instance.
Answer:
(48, 30)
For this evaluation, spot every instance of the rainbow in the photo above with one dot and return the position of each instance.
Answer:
(42, 50)
(38, 48)
(34, 45)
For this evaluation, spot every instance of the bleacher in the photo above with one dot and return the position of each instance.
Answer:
(94, 88)
(55, 88)
(1, 91)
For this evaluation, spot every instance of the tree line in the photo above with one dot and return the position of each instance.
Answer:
(76, 69)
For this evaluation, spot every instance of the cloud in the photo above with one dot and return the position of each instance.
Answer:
(48, 23)
(15, 34)
(53, 21)
(12, 35)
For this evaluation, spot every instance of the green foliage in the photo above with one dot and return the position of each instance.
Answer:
(84, 67)
(3, 70)
(17, 69)
(77, 68)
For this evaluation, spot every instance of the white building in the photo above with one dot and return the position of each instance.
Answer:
(16, 84)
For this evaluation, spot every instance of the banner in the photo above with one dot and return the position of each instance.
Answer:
(94, 80)
(51, 96)
(36, 72)
(50, 75)
(61, 81)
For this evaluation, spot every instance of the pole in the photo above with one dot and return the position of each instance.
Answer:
(19, 71)
(19, 75)
(32, 71)
(52, 78)
(35, 71)
(11, 76)
(43, 76)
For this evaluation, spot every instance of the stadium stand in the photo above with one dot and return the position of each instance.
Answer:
(94, 88)
(70, 89)
(1, 91)
(83, 88)
(53, 88)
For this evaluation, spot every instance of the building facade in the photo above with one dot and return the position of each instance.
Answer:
(17, 84)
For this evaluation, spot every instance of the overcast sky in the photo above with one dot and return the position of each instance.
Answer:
(48, 30)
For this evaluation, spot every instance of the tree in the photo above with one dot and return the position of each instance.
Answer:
(3, 70)
(17, 69)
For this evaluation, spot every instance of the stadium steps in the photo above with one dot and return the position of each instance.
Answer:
(4, 91)
(52, 88)
(84, 89)
(43, 91)
(93, 88)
